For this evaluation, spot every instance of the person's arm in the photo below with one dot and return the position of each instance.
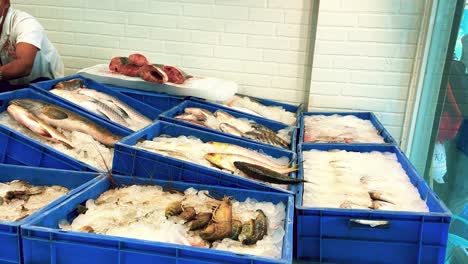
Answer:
(22, 65)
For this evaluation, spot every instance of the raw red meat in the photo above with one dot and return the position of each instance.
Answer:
(151, 73)
(174, 74)
(138, 60)
(117, 62)
(129, 70)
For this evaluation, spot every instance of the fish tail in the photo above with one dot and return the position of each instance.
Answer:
(291, 169)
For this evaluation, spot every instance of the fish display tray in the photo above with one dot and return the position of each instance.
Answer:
(43, 242)
(10, 239)
(204, 87)
(288, 107)
(147, 110)
(17, 149)
(129, 160)
(362, 115)
(331, 235)
(177, 110)
(160, 101)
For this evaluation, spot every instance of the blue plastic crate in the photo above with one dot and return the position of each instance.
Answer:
(288, 107)
(43, 242)
(10, 249)
(160, 101)
(146, 110)
(362, 115)
(132, 161)
(18, 149)
(329, 235)
(170, 115)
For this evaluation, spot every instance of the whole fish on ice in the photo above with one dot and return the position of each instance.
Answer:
(57, 117)
(225, 122)
(101, 104)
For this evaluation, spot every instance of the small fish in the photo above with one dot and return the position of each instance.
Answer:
(261, 173)
(199, 112)
(266, 137)
(223, 117)
(227, 128)
(226, 161)
(190, 117)
(234, 149)
(18, 111)
(70, 85)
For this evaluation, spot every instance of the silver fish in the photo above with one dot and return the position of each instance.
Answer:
(62, 118)
(132, 113)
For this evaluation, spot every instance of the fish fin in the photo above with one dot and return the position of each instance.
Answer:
(54, 113)
(103, 114)
(292, 169)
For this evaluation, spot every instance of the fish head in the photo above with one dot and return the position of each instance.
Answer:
(70, 85)
(27, 119)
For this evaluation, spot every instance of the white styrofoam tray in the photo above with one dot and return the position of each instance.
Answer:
(203, 87)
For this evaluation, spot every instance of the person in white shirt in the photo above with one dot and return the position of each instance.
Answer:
(26, 54)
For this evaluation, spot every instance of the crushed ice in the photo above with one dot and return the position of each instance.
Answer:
(139, 212)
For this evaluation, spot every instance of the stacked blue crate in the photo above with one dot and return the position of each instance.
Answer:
(44, 242)
(18, 149)
(409, 237)
(170, 115)
(129, 160)
(145, 109)
(10, 240)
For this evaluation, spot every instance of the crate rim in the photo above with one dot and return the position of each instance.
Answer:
(300, 121)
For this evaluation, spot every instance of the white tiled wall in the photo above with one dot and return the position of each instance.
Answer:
(262, 44)
(364, 56)
(363, 60)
